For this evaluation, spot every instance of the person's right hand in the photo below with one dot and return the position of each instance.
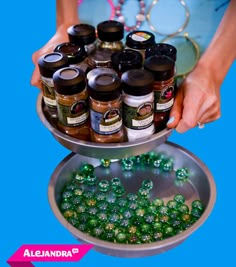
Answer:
(60, 36)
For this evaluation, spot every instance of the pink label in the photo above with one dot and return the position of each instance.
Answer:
(47, 253)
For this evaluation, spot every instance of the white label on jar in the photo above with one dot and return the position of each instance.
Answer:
(142, 123)
(78, 120)
(110, 128)
(165, 106)
(49, 101)
(140, 36)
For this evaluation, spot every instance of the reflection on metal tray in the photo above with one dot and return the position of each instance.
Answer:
(199, 186)
(98, 150)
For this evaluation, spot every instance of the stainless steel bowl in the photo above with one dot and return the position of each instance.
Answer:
(200, 186)
(98, 150)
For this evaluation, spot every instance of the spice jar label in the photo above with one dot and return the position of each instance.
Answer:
(163, 99)
(73, 115)
(138, 118)
(48, 92)
(106, 123)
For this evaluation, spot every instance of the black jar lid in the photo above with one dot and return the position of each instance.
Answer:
(104, 87)
(161, 49)
(50, 62)
(162, 67)
(110, 31)
(100, 58)
(126, 59)
(75, 52)
(99, 71)
(140, 39)
(69, 81)
(82, 34)
(137, 82)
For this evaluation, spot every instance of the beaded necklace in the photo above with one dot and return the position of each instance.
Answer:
(140, 17)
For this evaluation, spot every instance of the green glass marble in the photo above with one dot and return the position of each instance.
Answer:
(114, 218)
(144, 202)
(174, 214)
(124, 223)
(115, 182)
(103, 205)
(157, 159)
(144, 193)
(158, 236)
(148, 218)
(114, 208)
(127, 164)
(163, 210)
(109, 226)
(128, 213)
(104, 186)
(145, 228)
(81, 208)
(132, 229)
(186, 217)
(71, 187)
(133, 239)
(88, 194)
(73, 221)
(87, 169)
(133, 205)
(92, 210)
(197, 213)
(97, 231)
(176, 223)
(172, 204)
(122, 202)
(91, 179)
(108, 236)
(197, 204)
(183, 208)
(157, 226)
(146, 159)
(119, 190)
(111, 199)
(158, 202)
(91, 202)
(77, 200)
(166, 165)
(69, 214)
(146, 238)
(82, 227)
(164, 219)
(67, 195)
(93, 222)
(121, 237)
(179, 198)
(136, 159)
(83, 217)
(79, 177)
(182, 174)
(140, 212)
(169, 231)
(147, 184)
(106, 163)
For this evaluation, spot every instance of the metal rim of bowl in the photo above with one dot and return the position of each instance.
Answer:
(162, 245)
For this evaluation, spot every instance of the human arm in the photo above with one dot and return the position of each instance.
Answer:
(198, 98)
(66, 15)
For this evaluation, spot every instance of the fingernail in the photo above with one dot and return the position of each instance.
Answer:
(171, 119)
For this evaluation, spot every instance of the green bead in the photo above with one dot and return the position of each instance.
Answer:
(144, 202)
(77, 200)
(197, 204)
(132, 197)
(127, 213)
(106, 163)
(67, 195)
(88, 194)
(133, 205)
(169, 231)
(91, 202)
(146, 159)
(158, 236)
(81, 208)
(197, 213)
(92, 210)
(71, 187)
(104, 186)
(179, 198)
(146, 238)
(133, 239)
(119, 190)
(148, 218)
(144, 193)
(140, 212)
(102, 205)
(114, 218)
(182, 174)
(186, 218)
(111, 199)
(82, 227)
(78, 192)
(121, 237)
(83, 217)
(87, 169)
(66, 206)
(108, 236)
(164, 219)
(115, 182)
(69, 214)
(164, 210)
(145, 228)
(183, 208)
(93, 223)
(174, 214)
(122, 202)
(114, 208)
(127, 164)
(172, 204)
(97, 231)
(79, 177)
(147, 184)
(157, 159)
(158, 202)
(166, 165)
(132, 229)
(124, 223)
(91, 179)
(157, 226)
(73, 221)
(109, 226)
(136, 159)
(100, 196)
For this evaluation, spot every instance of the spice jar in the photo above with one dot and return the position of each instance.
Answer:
(75, 53)
(140, 41)
(110, 34)
(138, 99)
(72, 102)
(124, 60)
(163, 69)
(161, 49)
(83, 34)
(105, 103)
(99, 71)
(100, 58)
(48, 64)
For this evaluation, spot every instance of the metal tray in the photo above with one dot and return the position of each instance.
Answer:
(98, 150)
(199, 186)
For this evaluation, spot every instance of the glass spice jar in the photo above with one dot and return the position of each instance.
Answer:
(94, 72)
(140, 41)
(48, 64)
(100, 58)
(138, 99)
(126, 59)
(75, 53)
(72, 102)
(110, 34)
(83, 34)
(105, 103)
(163, 69)
(161, 49)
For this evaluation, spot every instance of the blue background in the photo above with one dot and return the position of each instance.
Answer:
(29, 153)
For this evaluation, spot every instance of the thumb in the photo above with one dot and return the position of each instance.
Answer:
(176, 110)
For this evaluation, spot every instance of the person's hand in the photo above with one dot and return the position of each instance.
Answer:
(59, 37)
(197, 100)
